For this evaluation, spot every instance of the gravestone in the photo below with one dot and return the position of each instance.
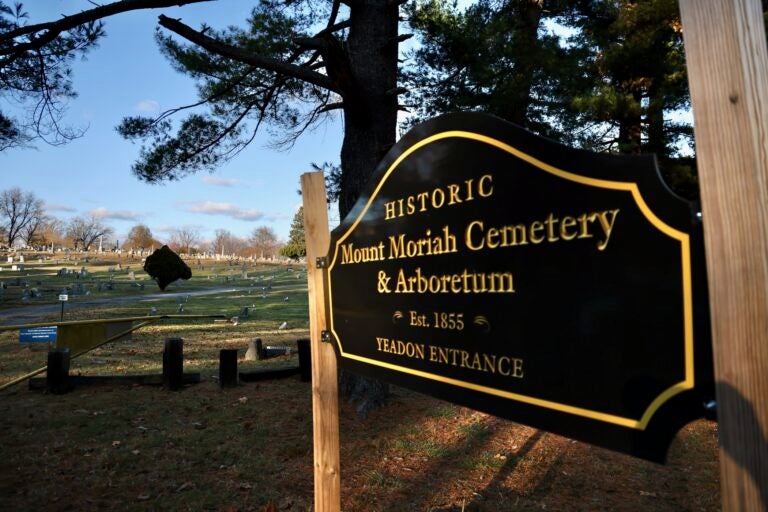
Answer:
(254, 351)
(131, 275)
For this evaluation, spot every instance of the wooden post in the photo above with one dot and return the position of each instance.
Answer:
(325, 393)
(727, 62)
(173, 364)
(57, 379)
(228, 368)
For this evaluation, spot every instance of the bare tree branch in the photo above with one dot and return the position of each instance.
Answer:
(52, 29)
(269, 64)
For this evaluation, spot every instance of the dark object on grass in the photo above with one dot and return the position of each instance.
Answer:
(173, 364)
(228, 368)
(165, 267)
(57, 377)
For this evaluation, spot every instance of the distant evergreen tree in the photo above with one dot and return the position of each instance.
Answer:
(613, 80)
(492, 57)
(296, 247)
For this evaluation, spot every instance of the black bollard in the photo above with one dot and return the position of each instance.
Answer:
(305, 360)
(228, 368)
(173, 364)
(57, 376)
(259, 349)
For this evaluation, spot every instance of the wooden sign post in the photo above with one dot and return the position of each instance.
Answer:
(325, 395)
(727, 62)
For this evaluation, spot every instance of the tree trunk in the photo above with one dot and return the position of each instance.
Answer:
(527, 18)
(370, 121)
(656, 143)
(370, 112)
(630, 127)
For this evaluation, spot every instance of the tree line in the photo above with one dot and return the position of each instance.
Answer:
(24, 222)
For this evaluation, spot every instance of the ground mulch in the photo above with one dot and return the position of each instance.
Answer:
(130, 447)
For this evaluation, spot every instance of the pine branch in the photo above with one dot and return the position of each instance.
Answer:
(240, 55)
(52, 29)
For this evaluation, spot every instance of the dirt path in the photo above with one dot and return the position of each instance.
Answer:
(30, 314)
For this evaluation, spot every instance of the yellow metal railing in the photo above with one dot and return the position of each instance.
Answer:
(81, 336)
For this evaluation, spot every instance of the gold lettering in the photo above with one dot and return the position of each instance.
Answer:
(536, 226)
(448, 195)
(481, 191)
(551, 229)
(423, 198)
(607, 226)
(517, 368)
(584, 232)
(568, 222)
(389, 208)
(490, 238)
(478, 361)
(453, 194)
(468, 235)
(438, 192)
(550, 222)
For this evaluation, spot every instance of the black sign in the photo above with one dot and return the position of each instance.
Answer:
(555, 287)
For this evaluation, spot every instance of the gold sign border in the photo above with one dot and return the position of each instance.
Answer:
(683, 238)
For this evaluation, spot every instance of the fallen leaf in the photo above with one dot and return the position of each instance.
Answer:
(116, 443)
(184, 486)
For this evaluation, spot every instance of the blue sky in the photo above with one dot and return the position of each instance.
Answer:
(126, 75)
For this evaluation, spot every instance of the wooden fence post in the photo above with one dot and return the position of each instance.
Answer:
(228, 377)
(727, 62)
(325, 394)
(57, 378)
(173, 364)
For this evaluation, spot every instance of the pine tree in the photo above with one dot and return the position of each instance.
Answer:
(296, 247)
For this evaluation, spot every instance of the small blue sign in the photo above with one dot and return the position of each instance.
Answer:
(38, 334)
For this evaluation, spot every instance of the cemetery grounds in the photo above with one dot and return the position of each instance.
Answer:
(139, 447)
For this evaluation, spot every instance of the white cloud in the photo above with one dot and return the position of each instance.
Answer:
(106, 213)
(147, 106)
(52, 207)
(218, 181)
(225, 209)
